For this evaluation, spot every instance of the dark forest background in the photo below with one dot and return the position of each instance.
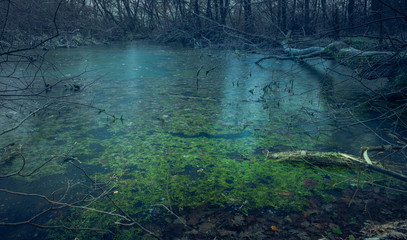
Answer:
(202, 22)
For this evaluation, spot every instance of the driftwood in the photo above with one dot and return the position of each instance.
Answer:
(334, 49)
(333, 158)
(327, 52)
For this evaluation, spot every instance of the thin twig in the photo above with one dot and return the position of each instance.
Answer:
(25, 119)
(128, 217)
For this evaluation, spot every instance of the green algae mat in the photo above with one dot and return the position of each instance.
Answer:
(192, 129)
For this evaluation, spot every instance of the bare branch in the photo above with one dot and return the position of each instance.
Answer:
(25, 119)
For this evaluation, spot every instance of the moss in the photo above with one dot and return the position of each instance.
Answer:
(188, 152)
(361, 43)
(148, 165)
(152, 166)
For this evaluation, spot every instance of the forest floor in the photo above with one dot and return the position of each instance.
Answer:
(355, 214)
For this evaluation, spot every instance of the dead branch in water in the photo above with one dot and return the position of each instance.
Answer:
(333, 158)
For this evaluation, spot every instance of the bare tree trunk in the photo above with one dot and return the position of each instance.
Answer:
(350, 10)
(131, 14)
(376, 8)
(335, 21)
(324, 15)
(216, 10)
(269, 7)
(293, 14)
(209, 10)
(197, 12)
(119, 10)
(150, 8)
(306, 16)
(109, 13)
(365, 8)
(316, 12)
(181, 9)
(278, 12)
(224, 7)
(248, 23)
(283, 8)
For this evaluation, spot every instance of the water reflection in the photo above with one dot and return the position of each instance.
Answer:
(190, 144)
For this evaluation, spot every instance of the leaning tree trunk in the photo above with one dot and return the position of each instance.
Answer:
(331, 51)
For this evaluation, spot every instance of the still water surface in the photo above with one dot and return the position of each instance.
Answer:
(197, 128)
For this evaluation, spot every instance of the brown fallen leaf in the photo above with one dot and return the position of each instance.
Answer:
(275, 228)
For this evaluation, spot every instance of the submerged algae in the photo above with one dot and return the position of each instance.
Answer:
(185, 147)
(203, 172)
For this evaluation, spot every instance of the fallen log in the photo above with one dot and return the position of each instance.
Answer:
(332, 50)
(332, 159)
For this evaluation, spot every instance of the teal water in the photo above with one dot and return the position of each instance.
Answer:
(193, 128)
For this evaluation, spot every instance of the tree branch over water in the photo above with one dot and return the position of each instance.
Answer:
(58, 205)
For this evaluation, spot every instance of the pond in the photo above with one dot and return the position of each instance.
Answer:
(182, 140)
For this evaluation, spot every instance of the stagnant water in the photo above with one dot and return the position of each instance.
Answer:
(194, 132)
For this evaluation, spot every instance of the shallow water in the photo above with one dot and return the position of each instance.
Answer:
(198, 129)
